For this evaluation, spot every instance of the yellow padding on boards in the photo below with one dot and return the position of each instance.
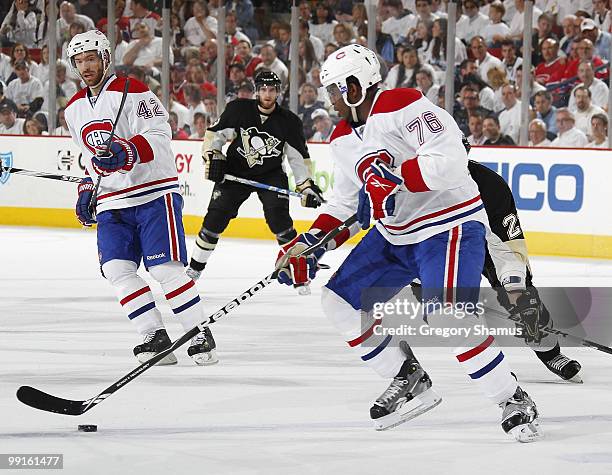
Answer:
(538, 243)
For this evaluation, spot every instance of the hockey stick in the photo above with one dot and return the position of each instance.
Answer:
(582, 341)
(94, 195)
(46, 402)
(51, 176)
(263, 186)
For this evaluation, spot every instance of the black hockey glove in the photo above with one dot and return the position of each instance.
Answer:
(215, 164)
(312, 194)
(530, 310)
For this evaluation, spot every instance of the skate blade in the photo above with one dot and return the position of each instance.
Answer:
(526, 433)
(303, 289)
(147, 355)
(575, 379)
(205, 359)
(418, 405)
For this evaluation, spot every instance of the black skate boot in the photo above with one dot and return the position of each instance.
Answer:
(202, 349)
(409, 395)
(520, 417)
(560, 364)
(153, 343)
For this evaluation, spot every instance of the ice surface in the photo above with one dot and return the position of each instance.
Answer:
(288, 396)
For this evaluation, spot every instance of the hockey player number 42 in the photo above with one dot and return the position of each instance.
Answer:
(431, 122)
(144, 111)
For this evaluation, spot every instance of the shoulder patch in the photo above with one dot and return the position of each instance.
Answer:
(395, 99)
(343, 128)
(79, 95)
(135, 85)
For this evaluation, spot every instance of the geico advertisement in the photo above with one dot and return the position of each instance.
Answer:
(562, 191)
(555, 190)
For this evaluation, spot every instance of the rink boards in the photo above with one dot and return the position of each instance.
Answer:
(562, 194)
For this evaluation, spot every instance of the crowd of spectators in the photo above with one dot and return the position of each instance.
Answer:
(568, 98)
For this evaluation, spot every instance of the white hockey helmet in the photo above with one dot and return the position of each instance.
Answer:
(352, 60)
(92, 40)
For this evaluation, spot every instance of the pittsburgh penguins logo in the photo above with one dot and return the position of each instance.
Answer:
(257, 145)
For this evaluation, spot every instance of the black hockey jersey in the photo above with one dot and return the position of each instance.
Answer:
(258, 148)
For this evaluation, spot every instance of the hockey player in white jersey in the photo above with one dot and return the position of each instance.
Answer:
(400, 158)
(138, 208)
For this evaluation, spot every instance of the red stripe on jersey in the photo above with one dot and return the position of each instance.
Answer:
(451, 265)
(180, 290)
(133, 295)
(172, 226)
(476, 350)
(411, 172)
(119, 83)
(79, 95)
(365, 336)
(145, 152)
(343, 128)
(137, 187)
(433, 215)
(395, 99)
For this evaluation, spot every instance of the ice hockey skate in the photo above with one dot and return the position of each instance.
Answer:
(192, 273)
(153, 343)
(564, 367)
(409, 395)
(202, 349)
(520, 417)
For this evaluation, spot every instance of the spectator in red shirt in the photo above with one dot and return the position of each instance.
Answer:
(552, 68)
(585, 52)
(245, 56)
(177, 133)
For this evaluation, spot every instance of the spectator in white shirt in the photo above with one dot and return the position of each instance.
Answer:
(65, 88)
(425, 82)
(476, 136)
(477, 22)
(599, 89)
(599, 131)
(201, 26)
(510, 117)
(323, 25)
(510, 61)
(569, 136)
(9, 123)
(193, 98)
(435, 54)
(517, 23)
(200, 123)
(537, 134)
(484, 59)
(145, 50)
(270, 61)
(584, 109)
(497, 78)
(68, 16)
(323, 126)
(398, 23)
(495, 32)
(20, 23)
(25, 89)
(62, 129)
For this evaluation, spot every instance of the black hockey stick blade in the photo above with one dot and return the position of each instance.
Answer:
(46, 402)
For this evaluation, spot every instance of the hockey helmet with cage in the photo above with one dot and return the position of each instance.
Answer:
(352, 60)
(92, 40)
(266, 77)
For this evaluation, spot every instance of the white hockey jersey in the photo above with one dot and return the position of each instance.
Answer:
(144, 122)
(423, 143)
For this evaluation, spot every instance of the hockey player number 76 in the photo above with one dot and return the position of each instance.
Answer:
(431, 122)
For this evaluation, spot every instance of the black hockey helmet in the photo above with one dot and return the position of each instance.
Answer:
(266, 77)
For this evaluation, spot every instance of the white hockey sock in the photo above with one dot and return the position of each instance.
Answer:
(134, 295)
(181, 293)
(377, 351)
(205, 244)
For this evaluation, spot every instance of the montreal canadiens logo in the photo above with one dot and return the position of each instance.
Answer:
(95, 134)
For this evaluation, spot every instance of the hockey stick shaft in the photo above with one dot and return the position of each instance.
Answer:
(94, 195)
(582, 341)
(50, 176)
(263, 186)
(46, 402)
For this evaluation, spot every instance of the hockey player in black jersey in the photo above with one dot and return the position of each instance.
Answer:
(261, 134)
(507, 270)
